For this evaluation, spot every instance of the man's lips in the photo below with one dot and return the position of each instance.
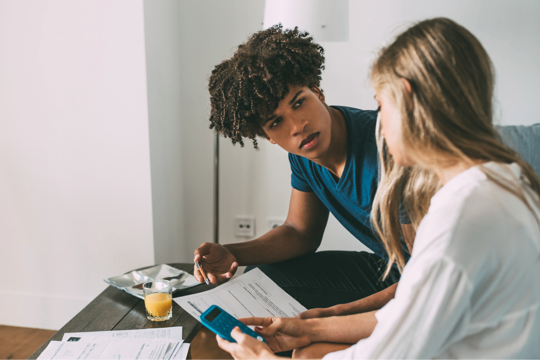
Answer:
(310, 141)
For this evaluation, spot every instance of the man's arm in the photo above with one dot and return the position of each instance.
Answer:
(370, 303)
(301, 233)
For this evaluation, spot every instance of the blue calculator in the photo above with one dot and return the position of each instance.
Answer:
(222, 323)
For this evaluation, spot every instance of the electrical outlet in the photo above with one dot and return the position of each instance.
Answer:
(244, 226)
(275, 222)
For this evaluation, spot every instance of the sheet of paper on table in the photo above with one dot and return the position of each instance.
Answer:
(127, 344)
(132, 349)
(160, 333)
(251, 294)
(107, 348)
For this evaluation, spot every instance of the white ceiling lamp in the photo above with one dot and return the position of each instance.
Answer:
(325, 20)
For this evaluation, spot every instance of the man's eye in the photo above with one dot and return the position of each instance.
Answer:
(275, 122)
(298, 103)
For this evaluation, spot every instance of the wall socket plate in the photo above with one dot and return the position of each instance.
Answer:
(244, 226)
(275, 222)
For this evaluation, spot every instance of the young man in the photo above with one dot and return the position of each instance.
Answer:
(270, 88)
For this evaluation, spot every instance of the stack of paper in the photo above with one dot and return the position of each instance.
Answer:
(163, 343)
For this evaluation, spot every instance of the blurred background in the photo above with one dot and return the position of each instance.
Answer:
(106, 159)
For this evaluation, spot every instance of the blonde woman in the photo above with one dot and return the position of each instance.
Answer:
(471, 288)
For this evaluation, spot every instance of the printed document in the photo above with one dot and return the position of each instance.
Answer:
(161, 333)
(182, 354)
(251, 294)
(145, 349)
(161, 343)
(73, 350)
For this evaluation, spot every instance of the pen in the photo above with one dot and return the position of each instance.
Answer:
(198, 265)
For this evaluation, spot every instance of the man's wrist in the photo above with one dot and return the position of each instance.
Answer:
(313, 329)
(232, 250)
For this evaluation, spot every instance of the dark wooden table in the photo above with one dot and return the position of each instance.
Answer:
(115, 309)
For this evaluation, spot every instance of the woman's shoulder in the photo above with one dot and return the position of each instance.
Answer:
(480, 192)
(476, 222)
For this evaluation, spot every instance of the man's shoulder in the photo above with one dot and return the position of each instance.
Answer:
(297, 160)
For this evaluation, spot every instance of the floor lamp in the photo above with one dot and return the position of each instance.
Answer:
(216, 188)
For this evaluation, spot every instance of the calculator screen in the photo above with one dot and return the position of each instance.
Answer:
(213, 314)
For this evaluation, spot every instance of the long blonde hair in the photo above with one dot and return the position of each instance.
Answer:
(447, 117)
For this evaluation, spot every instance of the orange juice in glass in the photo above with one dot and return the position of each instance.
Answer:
(158, 300)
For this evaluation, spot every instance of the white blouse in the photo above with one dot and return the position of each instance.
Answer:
(471, 288)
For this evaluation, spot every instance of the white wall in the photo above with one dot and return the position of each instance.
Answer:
(509, 30)
(164, 50)
(209, 33)
(74, 158)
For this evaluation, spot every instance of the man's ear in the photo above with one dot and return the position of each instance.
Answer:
(318, 92)
(263, 133)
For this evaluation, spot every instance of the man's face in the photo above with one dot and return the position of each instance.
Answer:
(301, 124)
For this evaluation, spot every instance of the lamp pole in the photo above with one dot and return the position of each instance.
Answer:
(216, 189)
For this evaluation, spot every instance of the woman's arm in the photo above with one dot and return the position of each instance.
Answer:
(367, 304)
(341, 329)
(284, 334)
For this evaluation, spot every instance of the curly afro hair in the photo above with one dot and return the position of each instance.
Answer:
(248, 87)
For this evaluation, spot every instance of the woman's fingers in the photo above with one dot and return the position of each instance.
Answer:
(246, 347)
(265, 326)
(239, 336)
(225, 345)
(256, 321)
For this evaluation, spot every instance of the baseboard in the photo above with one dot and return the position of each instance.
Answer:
(39, 311)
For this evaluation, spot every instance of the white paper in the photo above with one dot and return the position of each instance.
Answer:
(108, 348)
(251, 294)
(141, 349)
(162, 343)
(74, 350)
(182, 354)
(161, 333)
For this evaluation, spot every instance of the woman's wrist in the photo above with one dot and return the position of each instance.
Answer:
(268, 354)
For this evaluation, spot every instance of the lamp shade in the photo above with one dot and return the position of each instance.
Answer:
(325, 20)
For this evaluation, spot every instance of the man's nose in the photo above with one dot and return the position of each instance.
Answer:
(298, 126)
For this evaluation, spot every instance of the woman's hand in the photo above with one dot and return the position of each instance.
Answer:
(281, 334)
(246, 346)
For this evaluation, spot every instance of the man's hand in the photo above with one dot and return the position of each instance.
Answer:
(318, 313)
(218, 262)
(246, 347)
(281, 334)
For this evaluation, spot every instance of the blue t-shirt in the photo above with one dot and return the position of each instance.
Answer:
(350, 198)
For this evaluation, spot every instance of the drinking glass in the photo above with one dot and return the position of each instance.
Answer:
(158, 300)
